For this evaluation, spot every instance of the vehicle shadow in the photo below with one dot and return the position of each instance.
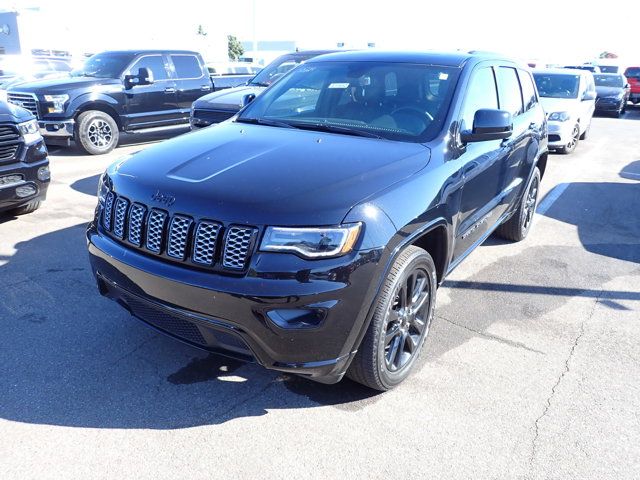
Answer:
(631, 171)
(87, 185)
(126, 140)
(73, 358)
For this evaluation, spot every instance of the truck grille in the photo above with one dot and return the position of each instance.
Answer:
(202, 118)
(24, 100)
(9, 143)
(178, 238)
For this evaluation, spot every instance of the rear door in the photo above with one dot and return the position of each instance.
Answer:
(152, 105)
(192, 81)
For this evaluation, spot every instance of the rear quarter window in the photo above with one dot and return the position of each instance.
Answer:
(529, 96)
(509, 92)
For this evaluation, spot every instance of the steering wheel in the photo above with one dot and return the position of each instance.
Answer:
(413, 111)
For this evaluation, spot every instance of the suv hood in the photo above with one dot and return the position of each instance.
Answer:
(609, 91)
(551, 105)
(62, 85)
(259, 175)
(227, 99)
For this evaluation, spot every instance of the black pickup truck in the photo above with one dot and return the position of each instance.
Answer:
(116, 91)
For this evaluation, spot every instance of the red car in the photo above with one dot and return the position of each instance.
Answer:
(633, 75)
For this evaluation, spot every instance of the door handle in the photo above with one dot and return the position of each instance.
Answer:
(169, 90)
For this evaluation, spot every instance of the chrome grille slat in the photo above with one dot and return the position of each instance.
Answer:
(155, 230)
(107, 214)
(204, 245)
(136, 221)
(236, 248)
(24, 100)
(178, 236)
(120, 215)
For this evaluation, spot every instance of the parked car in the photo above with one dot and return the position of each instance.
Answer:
(312, 239)
(609, 68)
(116, 91)
(612, 93)
(568, 96)
(24, 162)
(588, 68)
(218, 107)
(12, 66)
(231, 74)
(632, 74)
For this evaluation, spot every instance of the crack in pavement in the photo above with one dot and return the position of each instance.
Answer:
(488, 336)
(566, 369)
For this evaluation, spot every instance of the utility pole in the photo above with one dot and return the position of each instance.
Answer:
(255, 40)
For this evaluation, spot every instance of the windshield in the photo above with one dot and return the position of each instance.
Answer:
(633, 72)
(277, 69)
(557, 85)
(395, 101)
(104, 65)
(608, 81)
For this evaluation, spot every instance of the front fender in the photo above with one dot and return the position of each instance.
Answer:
(94, 96)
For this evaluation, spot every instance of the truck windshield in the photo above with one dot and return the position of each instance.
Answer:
(276, 69)
(104, 65)
(395, 101)
(557, 85)
(609, 80)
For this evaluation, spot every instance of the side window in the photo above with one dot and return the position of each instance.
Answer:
(528, 91)
(481, 93)
(509, 90)
(153, 63)
(187, 66)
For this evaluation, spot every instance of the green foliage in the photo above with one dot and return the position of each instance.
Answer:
(236, 50)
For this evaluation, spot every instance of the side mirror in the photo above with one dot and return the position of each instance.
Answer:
(143, 77)
(589, 95)
(489, 124)
(247, 99)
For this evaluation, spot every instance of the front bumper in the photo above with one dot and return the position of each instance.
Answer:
(57, 131)
(614, 105)
(635, 97)
(560, 133)
(30, 159)
(236, 315)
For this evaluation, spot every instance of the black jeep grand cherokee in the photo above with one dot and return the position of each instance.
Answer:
(310, 233)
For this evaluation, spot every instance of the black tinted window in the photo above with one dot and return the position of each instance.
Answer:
(557, 85)
(481, 93)
(153, 63)
(528, 90)
(509, 90)
(187, 66)
(609, 80)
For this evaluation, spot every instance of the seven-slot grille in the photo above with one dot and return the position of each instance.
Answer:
(178, 237)
(24, 100)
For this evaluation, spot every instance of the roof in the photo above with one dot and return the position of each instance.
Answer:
(139, 52)
(561, 71)
(453, 59)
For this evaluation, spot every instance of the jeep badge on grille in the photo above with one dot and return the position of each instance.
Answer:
(164, 198)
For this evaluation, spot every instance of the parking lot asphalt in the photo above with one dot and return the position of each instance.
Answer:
(531, 370)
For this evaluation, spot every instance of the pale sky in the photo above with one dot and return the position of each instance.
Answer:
(552, 30)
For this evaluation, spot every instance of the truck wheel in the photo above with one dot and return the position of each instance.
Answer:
(571, 146)
(96, 132)
(518, 226)
(400, 323)
(28, 208)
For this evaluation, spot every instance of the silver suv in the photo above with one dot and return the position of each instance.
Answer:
(568, 98)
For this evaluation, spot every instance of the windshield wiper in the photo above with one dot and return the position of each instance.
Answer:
(259, 84)
(264, 121)
(328, 127)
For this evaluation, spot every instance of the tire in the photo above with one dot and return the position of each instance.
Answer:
(28, 208)
(517, 227)
(585, 134)
(571, 146)
(394, 339)
(96, 132)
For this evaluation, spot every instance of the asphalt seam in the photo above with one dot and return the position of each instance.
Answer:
(566, 369)
(488, 336)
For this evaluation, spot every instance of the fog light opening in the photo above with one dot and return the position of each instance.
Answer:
(26, 191)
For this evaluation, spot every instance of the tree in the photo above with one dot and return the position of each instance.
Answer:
(236, 50)
(201, 31)
(606, 54)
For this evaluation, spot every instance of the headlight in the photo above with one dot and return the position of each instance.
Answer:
(559, 116)
(58, 102)
(103, 188)
(311, 242)
(30, 131)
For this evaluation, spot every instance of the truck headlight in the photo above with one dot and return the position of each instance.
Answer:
(58, 102)
(559, 116)
(311, 242)
(103, 188)
(30, 131)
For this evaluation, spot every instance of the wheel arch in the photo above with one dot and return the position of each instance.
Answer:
(101, 107)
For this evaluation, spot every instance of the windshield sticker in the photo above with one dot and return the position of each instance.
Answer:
(339, 85)
(443, 76)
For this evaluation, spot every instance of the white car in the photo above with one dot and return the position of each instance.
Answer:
(568, 97)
